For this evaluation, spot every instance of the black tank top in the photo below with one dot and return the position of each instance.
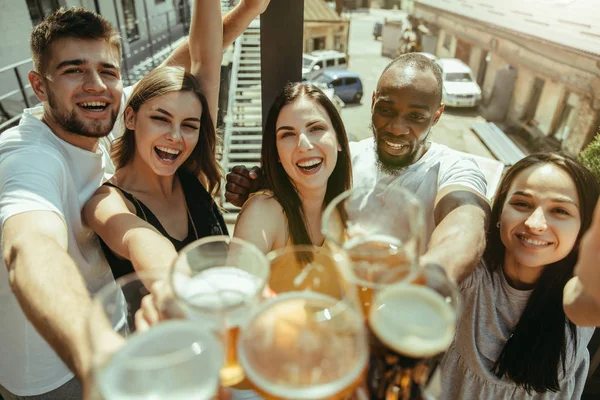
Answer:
(203, 211)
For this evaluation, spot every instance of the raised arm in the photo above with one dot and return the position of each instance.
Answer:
(206, 36)
(458, 240)
(235, 23)
(127, 235)
(47, 284)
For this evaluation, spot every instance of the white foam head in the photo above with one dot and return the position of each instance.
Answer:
(413, 320)
(229, 290)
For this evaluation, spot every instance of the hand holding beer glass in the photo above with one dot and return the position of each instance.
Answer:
(172, 360)
(221, 277)
(309, 341)
(411, 311)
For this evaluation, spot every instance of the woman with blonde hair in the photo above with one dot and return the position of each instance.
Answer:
(160, 197)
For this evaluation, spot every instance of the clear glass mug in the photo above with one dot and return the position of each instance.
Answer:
(174, 359)
(412, 322)
(308, 341)
(379, 229)
(221, 277)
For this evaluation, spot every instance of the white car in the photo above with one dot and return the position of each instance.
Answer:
(313, 64)
(460, 86)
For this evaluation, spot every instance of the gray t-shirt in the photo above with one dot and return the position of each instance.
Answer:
(491, 309)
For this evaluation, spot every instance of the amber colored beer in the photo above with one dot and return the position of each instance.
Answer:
(411, 326)
(377, 260)
(304, 346)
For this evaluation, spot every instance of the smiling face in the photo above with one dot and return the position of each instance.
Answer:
(166, 130)
(540, 218)
(405, 107)
(82, 87)
(306, 144)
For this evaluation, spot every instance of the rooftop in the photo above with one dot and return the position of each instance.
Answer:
(318, 10)
(571, 23)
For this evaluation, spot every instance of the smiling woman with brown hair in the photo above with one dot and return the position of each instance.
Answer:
(160, 198)
(513, 339)
(306, 164)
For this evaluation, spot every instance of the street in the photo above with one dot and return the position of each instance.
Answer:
(453, 130)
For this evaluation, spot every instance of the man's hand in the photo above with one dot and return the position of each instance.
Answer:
(588, 265)
(258, 6)
(241, 182)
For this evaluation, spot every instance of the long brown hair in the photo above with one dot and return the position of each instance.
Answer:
(538, 345)
(157, 83)
(276, 178)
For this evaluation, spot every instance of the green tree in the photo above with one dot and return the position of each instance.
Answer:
(590, 156)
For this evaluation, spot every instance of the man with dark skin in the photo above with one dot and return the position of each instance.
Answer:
(405, 107)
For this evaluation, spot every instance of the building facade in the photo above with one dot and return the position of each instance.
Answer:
(324, 29)
(537, 62)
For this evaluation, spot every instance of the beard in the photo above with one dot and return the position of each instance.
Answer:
(393, 164)
(72, 124)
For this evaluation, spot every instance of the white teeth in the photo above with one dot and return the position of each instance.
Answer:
(533, 242)
(94, 104)
(394, 145)
(167, 150)
(311, 163)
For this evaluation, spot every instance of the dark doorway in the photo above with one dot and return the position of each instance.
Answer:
(534, 99)
(463, 51)
(483, 64)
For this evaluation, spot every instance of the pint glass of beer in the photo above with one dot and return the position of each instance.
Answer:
(221, 276)
(412, 323)
(309, 341)
(380, 229)
(173, 360)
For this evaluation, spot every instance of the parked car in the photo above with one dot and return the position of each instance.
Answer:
(460, 87)
(377, 28)
(313, 64)
(346, 84)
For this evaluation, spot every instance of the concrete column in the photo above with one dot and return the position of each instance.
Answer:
(583, 127)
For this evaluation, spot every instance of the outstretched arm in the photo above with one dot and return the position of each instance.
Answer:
(126, 234)
(458, 240)
(234, 24)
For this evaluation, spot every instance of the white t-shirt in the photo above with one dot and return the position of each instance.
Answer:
(40, 172)
(439, 167)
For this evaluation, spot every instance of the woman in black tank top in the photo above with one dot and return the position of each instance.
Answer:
(161, 196)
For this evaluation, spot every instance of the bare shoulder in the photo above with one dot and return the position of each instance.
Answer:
(262, 222)
(105, 199)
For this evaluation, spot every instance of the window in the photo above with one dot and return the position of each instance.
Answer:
(458, 77)
(330, 63)
(131, 26)
(351, 81)
(342, 61)
(447, 40)
(40, 9)
(319, 64)
(337, 43)
(336, 83)
(319, 43)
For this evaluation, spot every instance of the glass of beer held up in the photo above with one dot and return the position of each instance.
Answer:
(174, 359)
(221, 277)
(309, 340)
(380, 229)
(412, 323)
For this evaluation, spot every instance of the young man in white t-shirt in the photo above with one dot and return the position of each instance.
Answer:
(49, 166)
(405, 106)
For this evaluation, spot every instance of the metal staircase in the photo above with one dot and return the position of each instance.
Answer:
(242, 139)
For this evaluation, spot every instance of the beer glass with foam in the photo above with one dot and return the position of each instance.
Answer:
(412, 323)
(172, 360)
(380, 229)
(309, 340)
(221, 276)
